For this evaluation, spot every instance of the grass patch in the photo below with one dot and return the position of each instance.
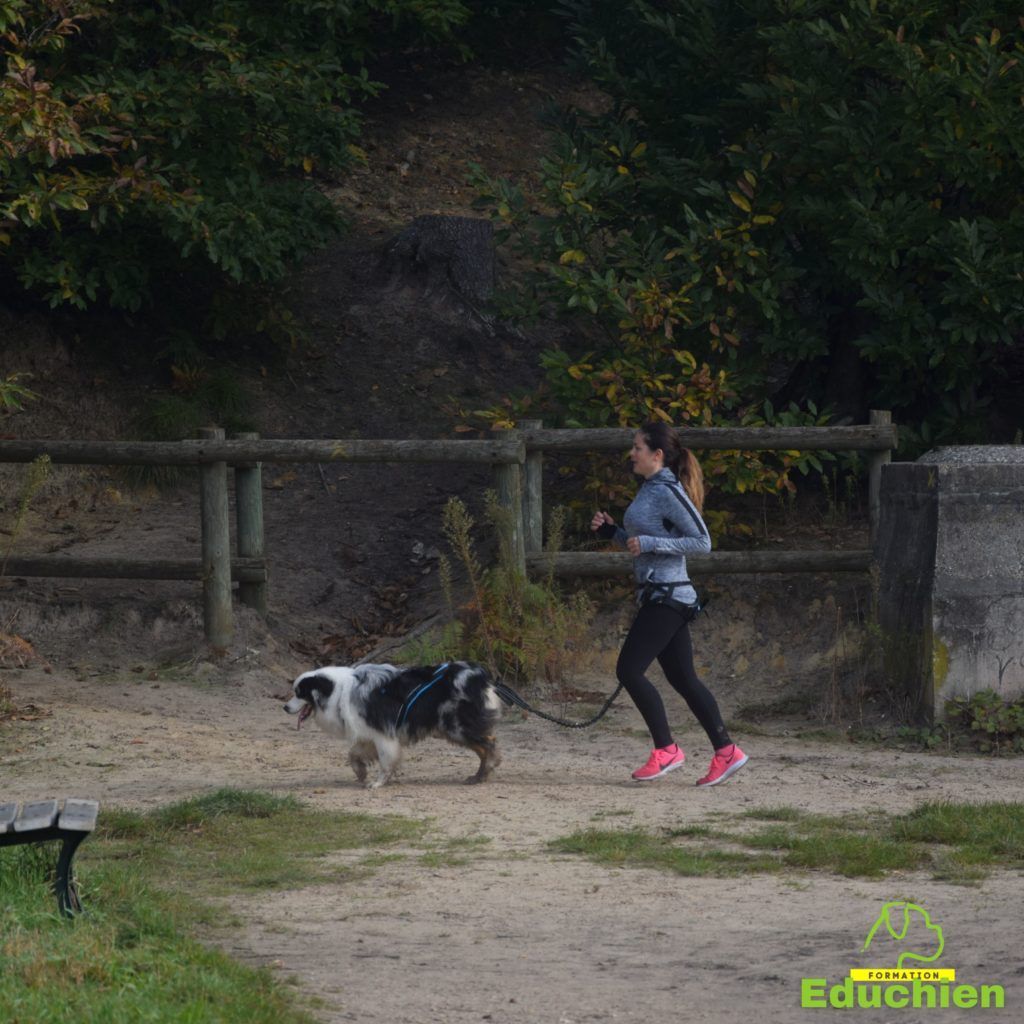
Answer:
(144, 878)
(958, 843)
(840, 850)
(454, 853)
(130, 958)
(639, 848)
(230, 839)
(990, 833)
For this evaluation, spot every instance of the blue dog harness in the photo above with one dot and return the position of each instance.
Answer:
(416, 694)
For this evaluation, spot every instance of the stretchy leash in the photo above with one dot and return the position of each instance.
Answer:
(509, 696)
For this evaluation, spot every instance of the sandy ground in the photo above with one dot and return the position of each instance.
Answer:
(518, 933)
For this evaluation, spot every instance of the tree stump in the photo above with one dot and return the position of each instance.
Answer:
(443, 257)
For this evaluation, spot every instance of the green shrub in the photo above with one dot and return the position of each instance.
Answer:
(154, 152)
(988, 721)
(817, 198)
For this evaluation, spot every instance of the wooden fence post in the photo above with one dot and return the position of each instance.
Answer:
(533, 496)
(249, 524)
(876, 460)
(216, 545)
(510, 497)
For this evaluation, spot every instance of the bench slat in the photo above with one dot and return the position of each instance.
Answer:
(8, 812)
(79, 815)
(41, 814)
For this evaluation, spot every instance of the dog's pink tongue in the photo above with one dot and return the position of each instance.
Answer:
(303, 715)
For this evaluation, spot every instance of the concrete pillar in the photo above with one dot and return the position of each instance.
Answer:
(950, 554)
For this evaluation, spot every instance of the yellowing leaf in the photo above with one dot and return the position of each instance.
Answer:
(572, 256)
(622, 169)
(740, 201)
(307, 164)
(639, 149)
(763, 218)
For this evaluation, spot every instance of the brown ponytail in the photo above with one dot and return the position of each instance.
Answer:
(680, 460)
(692, 479)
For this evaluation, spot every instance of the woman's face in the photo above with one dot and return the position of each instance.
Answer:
(645, 462)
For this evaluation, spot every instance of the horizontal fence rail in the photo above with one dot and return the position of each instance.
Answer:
(868, 437)
(614, 563)
(189, 453)
(243, 570)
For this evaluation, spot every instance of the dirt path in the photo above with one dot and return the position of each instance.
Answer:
(517, 933)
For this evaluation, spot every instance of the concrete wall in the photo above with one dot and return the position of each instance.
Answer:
(950, 551)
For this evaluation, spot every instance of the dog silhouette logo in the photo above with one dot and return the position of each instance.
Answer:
(910, 927)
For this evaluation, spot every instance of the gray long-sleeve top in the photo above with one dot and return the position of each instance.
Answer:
(669, 529)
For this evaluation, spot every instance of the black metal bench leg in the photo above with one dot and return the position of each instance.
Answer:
(64, 883)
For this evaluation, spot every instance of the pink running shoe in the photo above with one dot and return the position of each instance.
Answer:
(726, 762)
(661, 761)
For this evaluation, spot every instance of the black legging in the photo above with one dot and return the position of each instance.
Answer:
(659, 632)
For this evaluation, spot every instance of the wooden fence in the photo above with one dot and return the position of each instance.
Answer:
(517, 457)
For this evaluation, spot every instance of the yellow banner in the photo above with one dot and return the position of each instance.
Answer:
(882, 974)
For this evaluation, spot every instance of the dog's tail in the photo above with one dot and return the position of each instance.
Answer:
(492, 701)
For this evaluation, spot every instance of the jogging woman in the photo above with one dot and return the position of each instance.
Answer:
(662, 525)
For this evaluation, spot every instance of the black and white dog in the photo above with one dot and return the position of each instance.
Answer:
(381, 709)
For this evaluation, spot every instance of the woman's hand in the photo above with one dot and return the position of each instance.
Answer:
(600, 519)
(633, 546)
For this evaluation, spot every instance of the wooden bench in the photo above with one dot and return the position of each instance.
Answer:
(45, 821)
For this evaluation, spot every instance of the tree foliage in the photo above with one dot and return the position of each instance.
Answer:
(826, 201)
(149, 148)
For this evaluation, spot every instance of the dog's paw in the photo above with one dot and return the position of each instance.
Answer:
(474, 780)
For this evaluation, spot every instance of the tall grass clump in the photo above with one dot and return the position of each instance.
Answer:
(524, 630)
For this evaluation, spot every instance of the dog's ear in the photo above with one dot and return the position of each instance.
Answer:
(314, 688)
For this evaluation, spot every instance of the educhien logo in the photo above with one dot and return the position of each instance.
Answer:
(905, 935)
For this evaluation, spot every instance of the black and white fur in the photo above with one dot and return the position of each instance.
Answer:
(363, 704)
